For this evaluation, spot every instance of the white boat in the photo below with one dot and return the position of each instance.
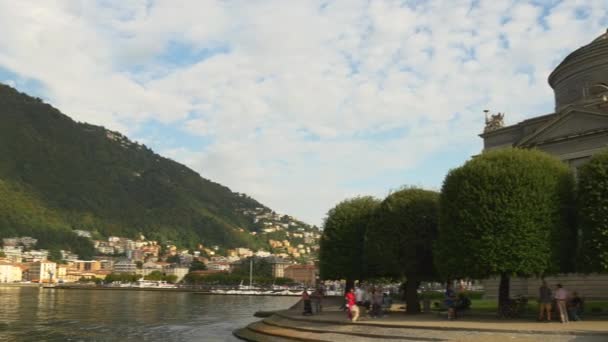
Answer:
(155, 284)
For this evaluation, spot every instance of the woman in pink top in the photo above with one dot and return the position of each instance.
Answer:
(561, 295)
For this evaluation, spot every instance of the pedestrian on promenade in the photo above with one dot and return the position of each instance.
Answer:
(367, 298)
(544, 302)
(561, 295)
(359, 294)
(377, 302)
(387, 303)
(316, 298)
(351, 303)
(450, 301)
(307, 306)
(575, 307)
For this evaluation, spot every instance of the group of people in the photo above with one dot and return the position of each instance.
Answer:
(372, 299)
(312, 302)
(567, 305)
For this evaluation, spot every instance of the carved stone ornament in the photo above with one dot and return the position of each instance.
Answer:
(494, 122)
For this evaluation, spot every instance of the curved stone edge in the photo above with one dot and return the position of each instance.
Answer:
(358, 334)
(251, 334)
(263, 314)
(444, 328)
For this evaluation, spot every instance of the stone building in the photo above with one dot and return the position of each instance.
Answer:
(304, 274)
(43, 272)
(9, 272)
(576, 130)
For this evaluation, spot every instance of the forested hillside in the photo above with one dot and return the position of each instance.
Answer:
(57, 175)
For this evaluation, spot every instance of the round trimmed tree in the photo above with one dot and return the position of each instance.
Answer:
(505, 212)
(342, 242)
(400, 240)
(593, 214)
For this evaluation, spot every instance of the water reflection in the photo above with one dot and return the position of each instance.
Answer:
(33, 314)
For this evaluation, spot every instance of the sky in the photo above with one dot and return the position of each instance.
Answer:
(301, 103)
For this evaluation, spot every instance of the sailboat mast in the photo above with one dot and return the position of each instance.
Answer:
(250, 273)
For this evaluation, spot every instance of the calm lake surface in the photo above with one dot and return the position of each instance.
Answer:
(34, 314)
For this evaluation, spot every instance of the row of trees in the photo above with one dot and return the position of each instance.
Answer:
(507, 212)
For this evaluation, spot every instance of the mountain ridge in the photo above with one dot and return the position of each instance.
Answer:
(66, 175)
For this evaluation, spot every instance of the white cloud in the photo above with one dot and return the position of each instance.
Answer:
(303, 102)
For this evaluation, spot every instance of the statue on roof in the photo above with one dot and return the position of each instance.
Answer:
(494, 122)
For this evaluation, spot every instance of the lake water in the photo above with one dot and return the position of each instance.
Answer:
(34, 314)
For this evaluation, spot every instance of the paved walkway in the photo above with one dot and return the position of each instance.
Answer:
(332, 325)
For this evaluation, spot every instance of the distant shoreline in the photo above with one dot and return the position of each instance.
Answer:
(195, 291)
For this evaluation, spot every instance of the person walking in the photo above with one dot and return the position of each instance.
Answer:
(544, 302)
(561, 295)
(351, 303)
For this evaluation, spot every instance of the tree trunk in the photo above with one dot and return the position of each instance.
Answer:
(503, 293)
(411, 296)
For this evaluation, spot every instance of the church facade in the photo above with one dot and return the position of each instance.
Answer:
(575, 131)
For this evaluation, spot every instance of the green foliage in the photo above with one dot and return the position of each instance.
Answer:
(197, 266)
(399, 240)
(261, 268)
(57, 175)
(55, 255)
(173, 259)
(155, 275)
(160, 276)
(505, 212)
(342, 243)
(122, 277)
(593, 214)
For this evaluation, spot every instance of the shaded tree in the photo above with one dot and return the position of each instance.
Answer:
(174, 259)
(505, 213)
(593, 211)
(197, 265)
(342, 242)
(55, 255)
(155, 275)
(261, 267)
(400, 239)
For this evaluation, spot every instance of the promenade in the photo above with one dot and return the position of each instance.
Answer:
(332, 325)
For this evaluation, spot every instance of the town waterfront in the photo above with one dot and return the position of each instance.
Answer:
(34, 314)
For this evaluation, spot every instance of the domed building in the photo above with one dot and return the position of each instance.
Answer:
(579, 126)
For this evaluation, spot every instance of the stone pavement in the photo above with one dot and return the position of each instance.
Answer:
(332, 325)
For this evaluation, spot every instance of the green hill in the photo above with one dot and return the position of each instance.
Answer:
(57, 175)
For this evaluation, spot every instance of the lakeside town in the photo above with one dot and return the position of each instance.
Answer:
(290, 256)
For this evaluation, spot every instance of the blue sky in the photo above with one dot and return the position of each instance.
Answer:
(299, 104)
